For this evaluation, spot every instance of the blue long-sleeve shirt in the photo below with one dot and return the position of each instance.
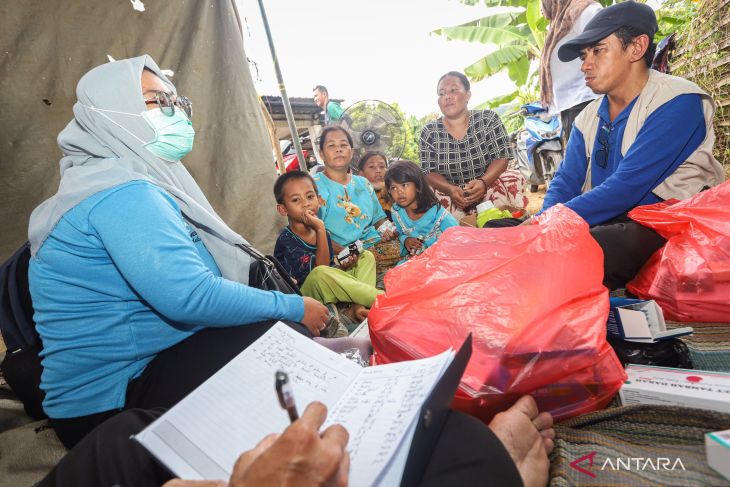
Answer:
(669, 135)
(121, 278)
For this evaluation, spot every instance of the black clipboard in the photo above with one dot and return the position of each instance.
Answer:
(432, 417)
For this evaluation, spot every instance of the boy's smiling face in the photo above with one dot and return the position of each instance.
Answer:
(299, 197)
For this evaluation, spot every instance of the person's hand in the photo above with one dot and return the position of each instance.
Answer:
(337, 247)
(476, 189)
(388, 235)
(413, 245)
(316, 315)
(528, 436)
(348, 262)
(457, 197)
(300, 456)
(311, 220)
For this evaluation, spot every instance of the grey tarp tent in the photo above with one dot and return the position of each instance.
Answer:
(46, 46)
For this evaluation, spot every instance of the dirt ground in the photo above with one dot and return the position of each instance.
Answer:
(535, 203)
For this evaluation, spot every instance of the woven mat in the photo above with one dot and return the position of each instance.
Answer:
(632, 434)
(709, 345)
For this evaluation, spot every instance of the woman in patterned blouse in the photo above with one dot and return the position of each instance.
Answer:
(465, 153)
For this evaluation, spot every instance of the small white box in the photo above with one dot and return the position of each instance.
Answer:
(639, 320)
(717, 448)
(676, 387)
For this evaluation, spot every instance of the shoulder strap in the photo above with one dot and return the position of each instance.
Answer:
(587, 122)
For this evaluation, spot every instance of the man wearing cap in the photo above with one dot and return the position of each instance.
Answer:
(648, 139)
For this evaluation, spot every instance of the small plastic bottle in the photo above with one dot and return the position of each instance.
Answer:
(486, 212)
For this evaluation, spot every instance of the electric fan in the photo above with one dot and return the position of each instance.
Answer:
(374, 126)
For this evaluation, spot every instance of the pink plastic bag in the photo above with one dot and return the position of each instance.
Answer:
(532, 298)
(690, 276)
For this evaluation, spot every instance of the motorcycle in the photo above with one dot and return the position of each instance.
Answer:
(538, 146)
(290, 157)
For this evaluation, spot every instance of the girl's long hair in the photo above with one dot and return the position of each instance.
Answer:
(407, 172)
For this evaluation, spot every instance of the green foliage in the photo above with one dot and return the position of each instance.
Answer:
(675, 16)
(413, 132)
(519, 36)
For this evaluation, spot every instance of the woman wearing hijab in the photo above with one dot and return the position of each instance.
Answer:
(138, 286)
(562, 87)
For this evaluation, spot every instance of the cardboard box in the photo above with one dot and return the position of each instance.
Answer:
(676, 387)
(639, 320)
(717, 449)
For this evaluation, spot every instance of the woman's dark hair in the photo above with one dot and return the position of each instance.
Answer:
(408, 172)
(627, 34)
(464, 80)
(367, 156)
(333, 128)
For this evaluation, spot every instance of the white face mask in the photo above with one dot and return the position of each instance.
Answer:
(174, 134)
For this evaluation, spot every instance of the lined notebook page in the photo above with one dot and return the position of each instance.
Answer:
(379, 407)
(203, 435)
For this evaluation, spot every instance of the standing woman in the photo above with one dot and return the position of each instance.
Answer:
(563, 88)
(465, 153)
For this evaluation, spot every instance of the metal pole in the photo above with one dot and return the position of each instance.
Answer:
(282, 90)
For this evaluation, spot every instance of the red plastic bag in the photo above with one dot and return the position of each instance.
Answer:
(533, 299)
(690, 276)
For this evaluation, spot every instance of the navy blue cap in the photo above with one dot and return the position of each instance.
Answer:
(626, 14)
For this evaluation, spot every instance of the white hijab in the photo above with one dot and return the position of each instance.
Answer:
(103, 147)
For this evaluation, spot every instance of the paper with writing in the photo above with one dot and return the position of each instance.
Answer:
(203, 435)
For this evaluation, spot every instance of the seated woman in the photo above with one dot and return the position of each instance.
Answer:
(465, 153)
(350, 210)
(138, 286)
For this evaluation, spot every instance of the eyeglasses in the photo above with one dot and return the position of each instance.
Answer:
(602, 154)
(167, 104)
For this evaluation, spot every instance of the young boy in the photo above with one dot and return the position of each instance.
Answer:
(304, 248)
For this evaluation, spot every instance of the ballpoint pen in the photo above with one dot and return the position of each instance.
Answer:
(286, 395)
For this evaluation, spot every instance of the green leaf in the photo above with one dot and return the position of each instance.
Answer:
(518, 70)
(483, 35)
(496, 61)
(495, 20)
(533, 15)
(498, 101)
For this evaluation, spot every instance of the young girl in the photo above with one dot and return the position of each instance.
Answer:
(372, 166)
(417, 214)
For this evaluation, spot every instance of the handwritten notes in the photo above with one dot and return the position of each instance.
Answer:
(378, 408)
(203, 435)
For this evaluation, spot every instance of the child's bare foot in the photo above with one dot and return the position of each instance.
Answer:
(528, 437)
(356, 312)
(361, 312)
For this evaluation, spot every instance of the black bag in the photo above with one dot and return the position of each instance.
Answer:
(672, 352)
(267, 273)
(21, 367)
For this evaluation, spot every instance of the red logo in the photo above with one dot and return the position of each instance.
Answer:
(588, 457)
(694, 378)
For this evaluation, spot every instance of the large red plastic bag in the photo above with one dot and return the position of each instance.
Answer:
(532, 296)
(690, 276)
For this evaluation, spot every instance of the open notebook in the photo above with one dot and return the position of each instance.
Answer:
(203, 435)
